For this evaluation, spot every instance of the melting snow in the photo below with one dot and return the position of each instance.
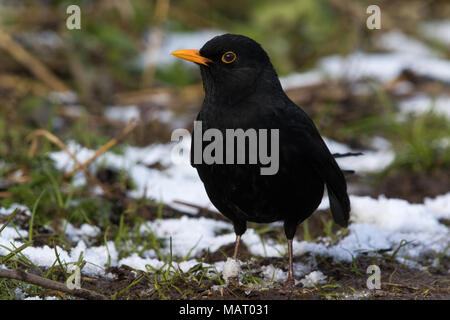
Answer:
(191, 234)
(274, 274)
(85, 232)
(397, 41)
(122, 113)
(179, 181)
(422, 103)
(385, 223)
(296, 80)
(231, 269)
(376, 224)
(315, 277)
(369, 161)
(384, 66)
(438, 30)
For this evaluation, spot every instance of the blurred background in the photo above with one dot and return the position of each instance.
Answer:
(68, 99)
(84, 85)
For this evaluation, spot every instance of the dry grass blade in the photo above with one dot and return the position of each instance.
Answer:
(31, 63)
(22, 85)
(51, 137)
(54, 139)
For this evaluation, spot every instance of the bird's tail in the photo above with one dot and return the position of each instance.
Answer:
(340, 206)
(337, 192)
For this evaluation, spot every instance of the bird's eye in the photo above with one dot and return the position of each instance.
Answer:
(228, 57)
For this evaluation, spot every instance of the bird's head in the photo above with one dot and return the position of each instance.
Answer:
(232, 65)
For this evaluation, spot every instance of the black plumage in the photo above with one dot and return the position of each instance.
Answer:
(246, 93)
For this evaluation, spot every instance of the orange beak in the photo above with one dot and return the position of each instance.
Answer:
(191, 55)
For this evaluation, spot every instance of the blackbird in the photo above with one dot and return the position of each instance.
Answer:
(242, 91)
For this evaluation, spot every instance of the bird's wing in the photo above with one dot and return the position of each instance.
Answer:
(305, 138)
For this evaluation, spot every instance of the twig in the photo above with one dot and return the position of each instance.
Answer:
(54, 139)
(195, 206)
(30, 62)
(398, 285)
(125, 132)
(50, 284)
(206, 212)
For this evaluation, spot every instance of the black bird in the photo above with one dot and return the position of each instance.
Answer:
(242, 90)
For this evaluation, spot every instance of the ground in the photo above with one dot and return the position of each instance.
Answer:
(83, 186)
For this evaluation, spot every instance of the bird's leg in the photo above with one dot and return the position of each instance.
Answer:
(239, 228)
(289, 229)
(231, 268)
(290, 283)
(236, 246)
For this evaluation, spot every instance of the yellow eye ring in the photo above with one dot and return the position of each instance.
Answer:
(228, 57)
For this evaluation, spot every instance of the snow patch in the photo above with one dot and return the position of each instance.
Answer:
(193, 235)
(369, 161)
(422, 103)
(273, 274)
(397, 41)
(315, 277)
(296, 80)
(383, 66)
(438, 30)
(85, 232)
(122, 113)
(231, 269)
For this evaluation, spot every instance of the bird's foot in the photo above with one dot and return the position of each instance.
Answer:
(233, 282)
(289, 285)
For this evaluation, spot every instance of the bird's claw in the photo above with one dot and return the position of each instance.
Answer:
(289, 285)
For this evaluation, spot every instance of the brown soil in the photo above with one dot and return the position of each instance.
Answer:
(348, 282)
(413, 187)
(345, 280)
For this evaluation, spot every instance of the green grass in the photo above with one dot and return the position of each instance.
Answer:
(421, 145)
